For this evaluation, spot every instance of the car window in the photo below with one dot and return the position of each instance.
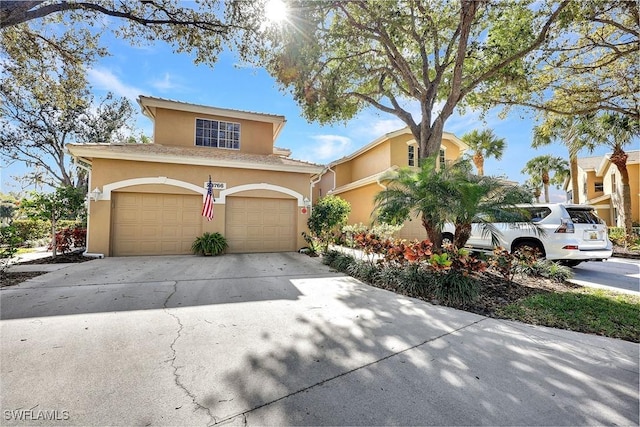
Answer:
(538, 213)
(584, 216)
(533, 214)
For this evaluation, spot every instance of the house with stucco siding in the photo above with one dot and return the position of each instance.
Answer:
(146, 199)
(357, 178)
(600, 185)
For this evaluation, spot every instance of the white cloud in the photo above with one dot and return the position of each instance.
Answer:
(104, 79)
(166, 83)
(326, 148)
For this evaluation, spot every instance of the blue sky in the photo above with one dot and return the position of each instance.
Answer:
(154, 70)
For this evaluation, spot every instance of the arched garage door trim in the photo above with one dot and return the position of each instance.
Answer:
(107, 189)
(221, 199)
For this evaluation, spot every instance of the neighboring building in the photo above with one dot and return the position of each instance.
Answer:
(150, 196)
(600, 185)
(356, 177)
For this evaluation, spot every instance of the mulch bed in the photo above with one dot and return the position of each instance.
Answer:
(13, 278)
(495, 292)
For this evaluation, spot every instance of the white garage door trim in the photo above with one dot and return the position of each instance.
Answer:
(108, 188)
(221, 199)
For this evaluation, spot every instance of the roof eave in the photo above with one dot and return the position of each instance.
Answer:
(86, 152)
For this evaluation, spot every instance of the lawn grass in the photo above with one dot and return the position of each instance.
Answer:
(587, 310)
(24, 251)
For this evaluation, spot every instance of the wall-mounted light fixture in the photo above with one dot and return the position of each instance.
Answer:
(307, 202)
(95, 194)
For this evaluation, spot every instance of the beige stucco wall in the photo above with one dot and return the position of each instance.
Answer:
(362, 203)
(392, 152)
(173, 127)
(371, 162)
(588, 187)
(110, 171)
(616, 197)
(451, 150)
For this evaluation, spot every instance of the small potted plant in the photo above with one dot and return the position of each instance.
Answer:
(209, 244)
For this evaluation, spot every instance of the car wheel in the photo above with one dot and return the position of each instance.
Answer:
(529, 249)
(447, 238)
(570, 263)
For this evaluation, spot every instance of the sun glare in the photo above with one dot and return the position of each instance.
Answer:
(275, 11)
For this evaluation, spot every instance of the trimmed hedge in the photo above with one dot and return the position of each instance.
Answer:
(36, 229)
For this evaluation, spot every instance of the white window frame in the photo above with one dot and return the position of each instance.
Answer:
(411, 155)
(227, 138)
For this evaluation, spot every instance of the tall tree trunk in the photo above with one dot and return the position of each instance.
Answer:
(575, 188)
(54, 240)
(433, 232)
(545, 182)
(463, 232)
(619, 158)
(430, 139)
(478, 161)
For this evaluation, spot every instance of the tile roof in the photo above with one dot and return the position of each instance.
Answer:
(189, 155)
(145, 99)
(589, 163)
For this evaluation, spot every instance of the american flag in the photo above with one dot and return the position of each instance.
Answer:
(207, 207)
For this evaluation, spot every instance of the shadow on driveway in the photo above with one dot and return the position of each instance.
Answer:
(280, 339)
(147, 283)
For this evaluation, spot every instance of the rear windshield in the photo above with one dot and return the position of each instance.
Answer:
(584, 216)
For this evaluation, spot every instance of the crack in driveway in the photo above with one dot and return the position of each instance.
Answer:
(172, 360)
(343, 374)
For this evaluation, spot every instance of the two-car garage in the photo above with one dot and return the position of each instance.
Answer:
(167, 224)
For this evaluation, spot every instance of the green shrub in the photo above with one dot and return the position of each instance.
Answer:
(617, 235)
(342, 262)
(329, 257)
(32, 229)
(9, 242)
(388, 276)
(454, 286)
(416, 280)
(326, 219)
(362, 270)
(209, 244)
(550, 270)
(350, 231)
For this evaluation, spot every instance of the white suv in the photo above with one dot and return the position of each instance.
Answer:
(566, 233)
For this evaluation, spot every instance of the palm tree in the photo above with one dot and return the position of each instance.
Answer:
(534, 185)
(480, 200)
(485, 144)
(422, 193)
(450, 194)
(542, 166)
(616, 131)
(570, 131)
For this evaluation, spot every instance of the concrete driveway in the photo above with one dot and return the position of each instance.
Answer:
(280, 339)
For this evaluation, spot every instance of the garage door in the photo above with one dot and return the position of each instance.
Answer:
(260, 225)
(155, 224)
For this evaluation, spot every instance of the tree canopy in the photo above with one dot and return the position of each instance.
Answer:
(197, 27)
(590, 64)
(339, 57)
(45, 104)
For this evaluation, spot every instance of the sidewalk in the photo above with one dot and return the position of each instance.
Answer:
(38, 253)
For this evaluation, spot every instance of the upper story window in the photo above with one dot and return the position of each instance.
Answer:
(441, 159)
(412, 155)
(598, 187)
(216, 133)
